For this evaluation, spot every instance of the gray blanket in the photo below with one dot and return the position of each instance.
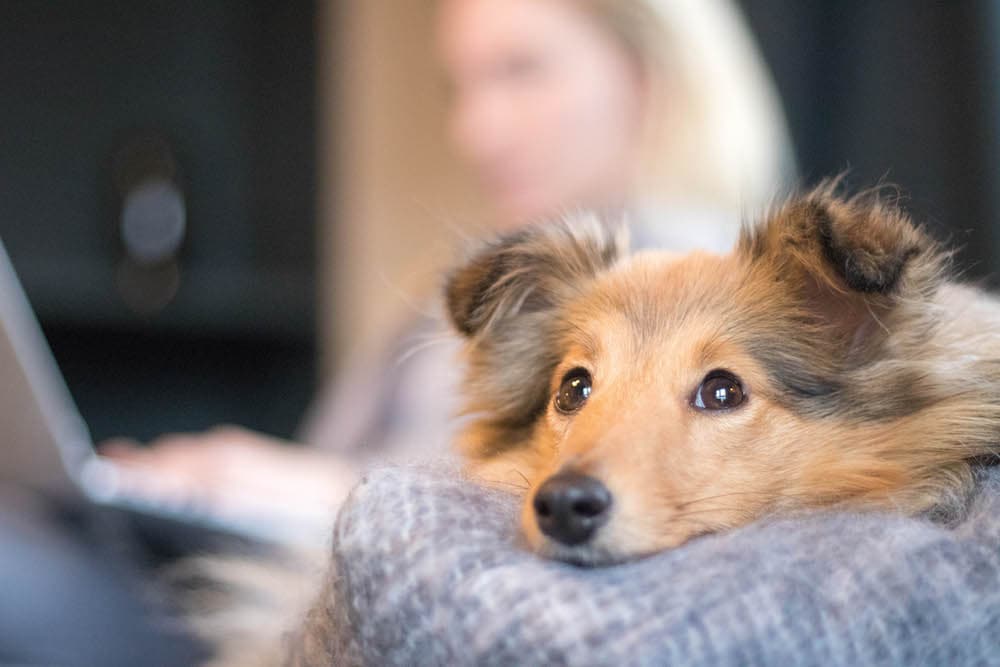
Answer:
(428, 571)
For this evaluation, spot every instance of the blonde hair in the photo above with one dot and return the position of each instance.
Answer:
(715, 130)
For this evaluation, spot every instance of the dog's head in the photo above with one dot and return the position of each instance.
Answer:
(650, 398)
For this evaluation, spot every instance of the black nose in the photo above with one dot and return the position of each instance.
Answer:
(569, 507)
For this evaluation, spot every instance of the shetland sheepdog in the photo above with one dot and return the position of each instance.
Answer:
(641, 400)
(828, 361)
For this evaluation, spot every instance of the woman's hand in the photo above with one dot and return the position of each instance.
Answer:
(235, 471)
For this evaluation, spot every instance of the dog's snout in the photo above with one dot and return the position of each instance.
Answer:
(569, 507)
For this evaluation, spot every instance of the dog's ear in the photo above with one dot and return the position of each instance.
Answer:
(506, 301)
(848, 262)
(531, 270)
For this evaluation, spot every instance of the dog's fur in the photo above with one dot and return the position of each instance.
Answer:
(870, 376)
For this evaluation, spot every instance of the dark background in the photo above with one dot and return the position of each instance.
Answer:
(898, 91)
(230, 86)
(903, 91)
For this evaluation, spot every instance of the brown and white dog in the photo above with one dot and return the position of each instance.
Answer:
(641, 400)
(645, 399)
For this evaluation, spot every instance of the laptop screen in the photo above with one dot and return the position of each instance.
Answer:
(44, 442)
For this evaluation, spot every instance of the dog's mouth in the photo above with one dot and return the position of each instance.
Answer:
(606, 552)
(584, 555)
(585, 533)
(577, 519)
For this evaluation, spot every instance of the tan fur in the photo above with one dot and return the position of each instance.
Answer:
(870, 377)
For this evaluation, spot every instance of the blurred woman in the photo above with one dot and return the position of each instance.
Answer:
(560, 103)
(660, 108)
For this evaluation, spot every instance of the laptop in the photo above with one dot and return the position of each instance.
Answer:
(45, 444)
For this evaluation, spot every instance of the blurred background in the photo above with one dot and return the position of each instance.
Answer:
(277, 143)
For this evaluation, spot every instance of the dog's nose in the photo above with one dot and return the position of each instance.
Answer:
(569, 507)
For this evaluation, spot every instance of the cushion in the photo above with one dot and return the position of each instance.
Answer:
(428, 570)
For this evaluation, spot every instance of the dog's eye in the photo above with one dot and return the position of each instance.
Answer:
(573, 391)
(719, 391)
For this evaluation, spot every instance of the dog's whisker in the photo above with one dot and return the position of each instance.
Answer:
(760, 494)
(420, 347)
(500, 482)
(687, 515)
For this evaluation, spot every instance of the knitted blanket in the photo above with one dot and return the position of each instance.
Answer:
(427, 570)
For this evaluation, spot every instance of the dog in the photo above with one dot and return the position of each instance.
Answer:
(831, 360)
